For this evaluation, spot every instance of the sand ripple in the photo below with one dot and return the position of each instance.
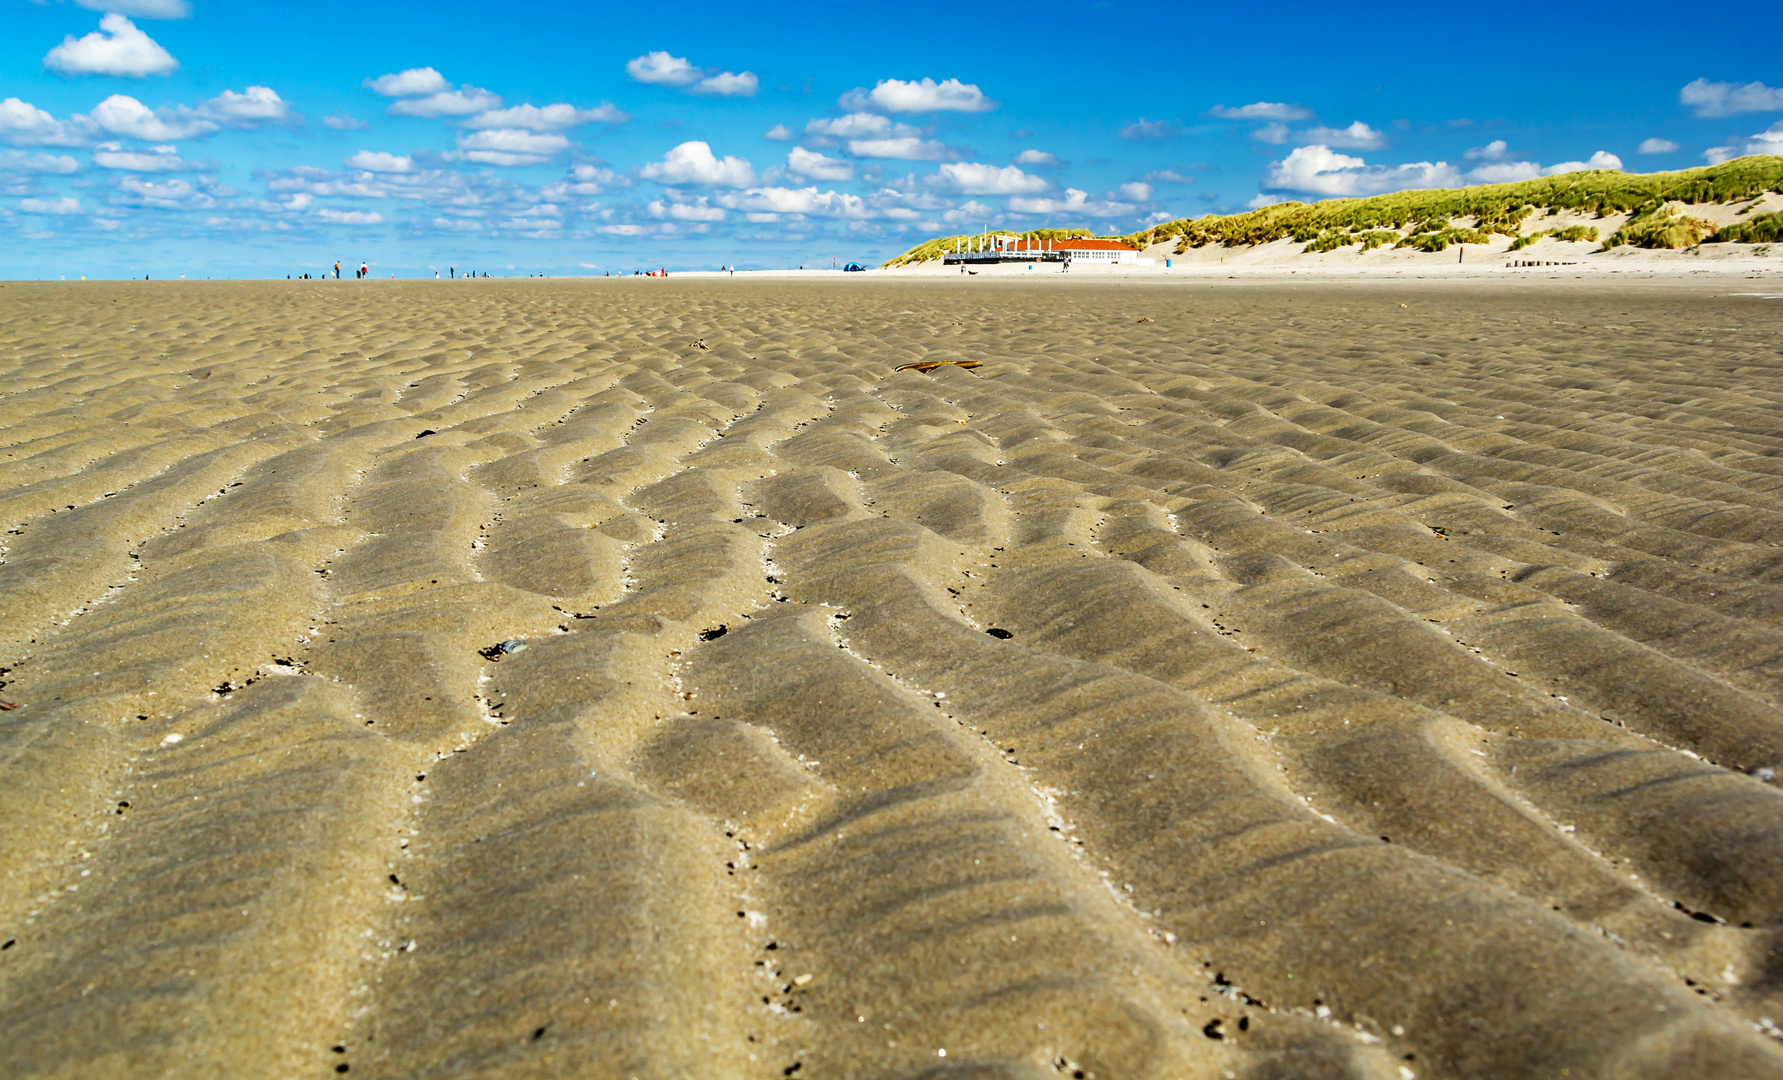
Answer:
(1386, 681)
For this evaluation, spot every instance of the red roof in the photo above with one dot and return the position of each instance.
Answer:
(1081, 243)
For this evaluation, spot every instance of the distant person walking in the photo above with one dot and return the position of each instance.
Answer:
(337, 269)
(364, 270)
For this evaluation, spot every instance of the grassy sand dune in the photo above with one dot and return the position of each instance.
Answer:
(1647, 210)
(1385, 680)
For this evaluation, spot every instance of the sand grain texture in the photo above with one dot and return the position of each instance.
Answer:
(1387, 680)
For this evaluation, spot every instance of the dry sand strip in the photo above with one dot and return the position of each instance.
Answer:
(647, 679)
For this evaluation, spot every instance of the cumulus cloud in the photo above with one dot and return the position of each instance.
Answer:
(1730, 99)
(15, 161)
(1151, 129)
(661, 69)
(1273, 134)
(694, 210)
(1657, 146)
(24, 124)
(926, 95)
(1507, 171)
(1358, 136)
(779, 133)
(112, 155)
(64, 205)
(585, 180)
(1138, 191)
(558, 117)
(902, 148)
(1075, 202)
(167, 194)
(510, 146)
(971, 178)
(349, 217)
(465, 101)
(814, 166)
(1492, 151)
(728, 84)
(411, 83)
(1320, 170)
(116, 48)
(123, 115)
(1261, 110)
(782, 200)
(1035, 157)
(694, 163)
(1765, 142)
(1168, 176)
(343, 122)
(254, 106)
(378, 161)
(855, 125)
(425, 92)
(142, 9)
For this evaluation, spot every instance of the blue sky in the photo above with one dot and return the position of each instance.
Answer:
(217, 138)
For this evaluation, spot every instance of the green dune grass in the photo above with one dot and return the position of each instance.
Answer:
(1424, 219)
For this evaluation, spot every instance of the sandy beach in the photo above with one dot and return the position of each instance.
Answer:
(1225, 678)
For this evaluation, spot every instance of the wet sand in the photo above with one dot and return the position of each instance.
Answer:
(1224, 679)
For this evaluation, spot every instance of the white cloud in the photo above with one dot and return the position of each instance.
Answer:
(1492, 151)
(1035, 157)
(510, 146)
(1261, 110)
(116, 48)
(1275, 134)
(905, 148)
(1168, 176)
(253, 106)
(1320, 170)
(696, 210)
(411, 83)
(1075, 202)
(378, 161)
(1769, 141)
(626, 230)
(1657, 146)
(728, 84)
(557, 117)
(1136, 191)
(693, 163)
(142, 9)
(24, 124)
(165, 194)
(1151, 129)
(112, 155)
(1504, 172)
(927, 95)
(779, 133)
(814, 166)
(856, 125)
(464, 101)
(123, 115)
(349, 217)
(1260, 201)
(64, 205)
(584, 180)
(1730, 99)
(780, 200)
(343, 122)
(970, 178)
(18, 161)
(661, 69)
(1358, 136)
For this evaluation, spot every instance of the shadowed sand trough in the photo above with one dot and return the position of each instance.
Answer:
(1381, 681)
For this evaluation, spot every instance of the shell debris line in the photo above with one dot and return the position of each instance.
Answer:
(579, 679)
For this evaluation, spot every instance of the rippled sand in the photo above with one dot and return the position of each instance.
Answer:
(1223, 680)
